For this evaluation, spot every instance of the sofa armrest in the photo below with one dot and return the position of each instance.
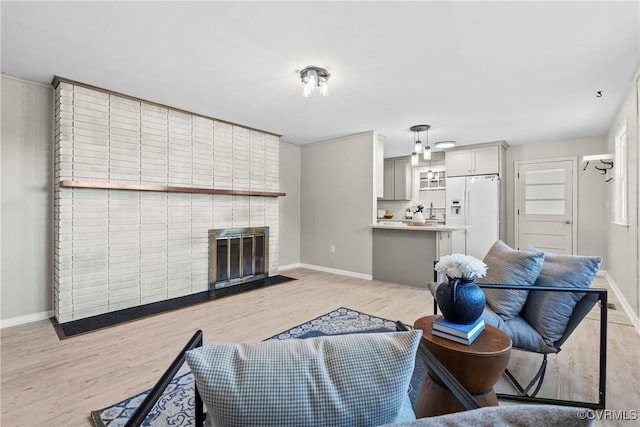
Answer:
(521, 415)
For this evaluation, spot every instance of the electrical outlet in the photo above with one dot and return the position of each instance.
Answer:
(333, 249)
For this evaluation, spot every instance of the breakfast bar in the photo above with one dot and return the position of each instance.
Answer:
(406, 254)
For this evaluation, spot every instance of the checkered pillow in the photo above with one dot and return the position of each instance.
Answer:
(345, 380)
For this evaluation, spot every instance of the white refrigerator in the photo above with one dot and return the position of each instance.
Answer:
(474, 202)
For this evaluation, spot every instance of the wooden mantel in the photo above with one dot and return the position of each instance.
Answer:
(166, 189)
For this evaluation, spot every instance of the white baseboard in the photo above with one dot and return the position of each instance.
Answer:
(337, 271)
(21, 320)
(623, 301)
(289, 266)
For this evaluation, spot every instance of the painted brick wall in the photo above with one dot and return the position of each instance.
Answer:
(116, 249)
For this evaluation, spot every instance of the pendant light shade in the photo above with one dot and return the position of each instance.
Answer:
(426, 155)
(417, 147)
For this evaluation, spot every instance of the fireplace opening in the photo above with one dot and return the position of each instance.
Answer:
(237, 255)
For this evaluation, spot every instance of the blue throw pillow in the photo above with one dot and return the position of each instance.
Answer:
(549, 312)
(345, 380)
(508, 266)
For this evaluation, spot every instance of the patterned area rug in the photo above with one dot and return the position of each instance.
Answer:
(175, 407)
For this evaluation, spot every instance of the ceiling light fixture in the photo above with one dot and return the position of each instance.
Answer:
(315, 78)
(417, 144)
(445, 144)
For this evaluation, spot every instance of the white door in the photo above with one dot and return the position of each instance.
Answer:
(545, 213)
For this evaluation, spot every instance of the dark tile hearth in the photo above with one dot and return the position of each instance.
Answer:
(75, 327)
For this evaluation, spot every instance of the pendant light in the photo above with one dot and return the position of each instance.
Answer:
(418, 147)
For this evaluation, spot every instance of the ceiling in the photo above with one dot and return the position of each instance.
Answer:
(475, 71)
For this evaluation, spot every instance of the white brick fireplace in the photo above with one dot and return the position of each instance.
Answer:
(120, 248)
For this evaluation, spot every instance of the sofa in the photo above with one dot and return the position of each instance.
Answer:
(345, 380)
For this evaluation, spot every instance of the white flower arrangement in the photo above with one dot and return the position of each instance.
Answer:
(416, 206)
(460, 265)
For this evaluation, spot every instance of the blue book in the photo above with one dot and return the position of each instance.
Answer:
(465, 341)
(462, 331)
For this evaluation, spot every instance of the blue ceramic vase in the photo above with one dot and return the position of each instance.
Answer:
(460, 300)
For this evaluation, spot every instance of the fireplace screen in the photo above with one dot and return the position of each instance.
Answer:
(237, 255)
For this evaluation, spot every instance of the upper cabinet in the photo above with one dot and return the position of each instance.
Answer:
(397, 179)
(479, 160)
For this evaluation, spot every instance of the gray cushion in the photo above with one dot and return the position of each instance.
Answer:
(513, 415)
(549, 312)
(346, 380)
(521, 333)
(510, 267)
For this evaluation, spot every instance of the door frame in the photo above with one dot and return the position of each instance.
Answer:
(574, 201)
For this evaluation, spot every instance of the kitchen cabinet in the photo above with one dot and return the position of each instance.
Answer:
(474, 161)
(429, 186)
(432, 181)
(397, 179)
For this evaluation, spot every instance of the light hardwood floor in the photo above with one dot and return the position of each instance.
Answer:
(47, 382)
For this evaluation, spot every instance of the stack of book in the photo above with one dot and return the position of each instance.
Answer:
(464, 334)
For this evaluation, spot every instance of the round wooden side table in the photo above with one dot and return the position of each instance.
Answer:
(477, 366)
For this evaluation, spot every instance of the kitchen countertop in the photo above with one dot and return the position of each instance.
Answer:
(402, 226)
(406, 220)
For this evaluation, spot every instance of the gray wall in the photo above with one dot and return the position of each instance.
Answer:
(591, 189)
(623, 241)
(337, 203)
(290, 155)
(27, 198)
